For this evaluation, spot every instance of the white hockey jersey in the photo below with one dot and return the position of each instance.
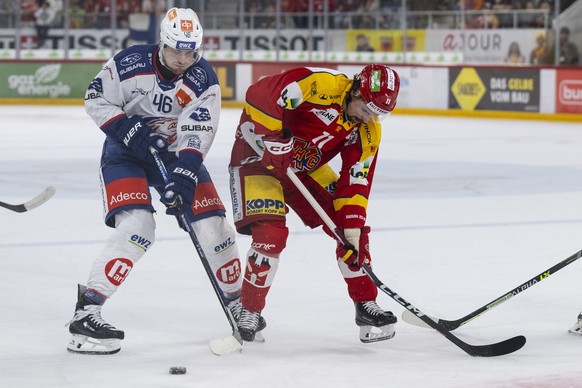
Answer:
(184, 110)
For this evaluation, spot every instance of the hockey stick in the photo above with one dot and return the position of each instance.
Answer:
(409, 317)
(41, 198)
(219, 346)
(497, 349)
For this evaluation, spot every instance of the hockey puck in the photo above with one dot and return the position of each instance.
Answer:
(178, 370)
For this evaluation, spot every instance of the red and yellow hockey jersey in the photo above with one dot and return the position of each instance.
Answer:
(309, 102)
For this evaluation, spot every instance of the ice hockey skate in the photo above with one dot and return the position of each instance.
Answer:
(375, 324)
(577, 328)
(250, 324)
(90, 334)
(236, 308)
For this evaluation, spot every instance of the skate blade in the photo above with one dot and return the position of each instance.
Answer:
(259, 337)
(369, 334)
(576, 329)
(81, 344)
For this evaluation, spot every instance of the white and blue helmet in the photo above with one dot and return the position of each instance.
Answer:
(181, 30)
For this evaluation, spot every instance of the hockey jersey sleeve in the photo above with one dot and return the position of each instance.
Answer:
(104, 99)
(269, 98)
(356, 175)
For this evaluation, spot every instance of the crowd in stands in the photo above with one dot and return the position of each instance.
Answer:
(341, 14)
(82, 13)
(385, 14)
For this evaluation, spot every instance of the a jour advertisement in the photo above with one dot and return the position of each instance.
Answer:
(488, 46)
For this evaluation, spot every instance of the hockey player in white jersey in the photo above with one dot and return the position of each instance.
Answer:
(167, 97)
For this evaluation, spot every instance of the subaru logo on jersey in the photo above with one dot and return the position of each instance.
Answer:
(96, 85)
(200, 74)
(197, 127)
(132, 68)
(185, 45)
(130, 59)
(196, 86)
(201, 114)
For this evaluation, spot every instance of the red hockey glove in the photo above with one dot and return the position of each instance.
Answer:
(278, 154)
(357, 252)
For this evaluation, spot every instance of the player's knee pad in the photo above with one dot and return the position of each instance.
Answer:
(134, 232)
(260, 269)
(133, 235)
(217, 239)
(269, 237)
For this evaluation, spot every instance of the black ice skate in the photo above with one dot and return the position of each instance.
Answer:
(250, 324)
(577, 328)
(90, 334)
(375, 324)
(236, 308)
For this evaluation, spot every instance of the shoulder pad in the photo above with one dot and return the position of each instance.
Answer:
(200, 77)
(134, 60)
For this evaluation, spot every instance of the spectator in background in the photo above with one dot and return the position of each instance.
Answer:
(252, 14)
(543, 19)
(267, 19)
(514, 56)
(27, 10)
(77, 14)
(568, 50)
(363, 43)
(57, 6)
(44, 17)
(540, 55)
(6, 11)
(528, 20)
(98, 14)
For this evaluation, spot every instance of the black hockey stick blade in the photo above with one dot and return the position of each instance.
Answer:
(491, 350)
(412, 319)
(41, 198)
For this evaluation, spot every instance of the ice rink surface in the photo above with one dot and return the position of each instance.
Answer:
(462, 211)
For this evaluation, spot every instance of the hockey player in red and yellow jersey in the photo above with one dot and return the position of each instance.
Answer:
(302, 119)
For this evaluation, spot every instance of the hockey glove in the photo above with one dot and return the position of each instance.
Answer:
(139, 136)
(278, 153)
(356, 253)
(182, 182)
